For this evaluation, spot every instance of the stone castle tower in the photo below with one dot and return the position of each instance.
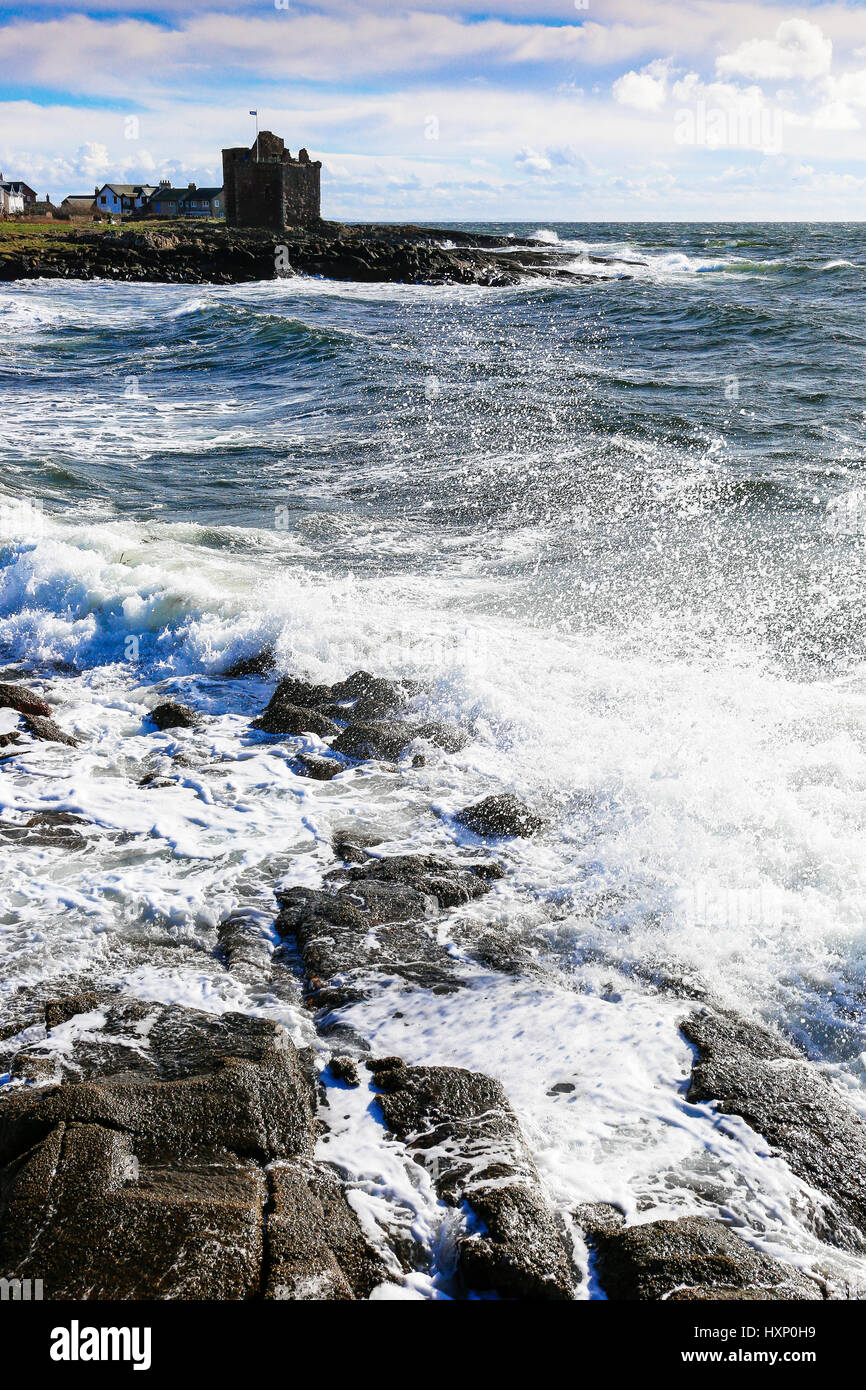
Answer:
(265, 187)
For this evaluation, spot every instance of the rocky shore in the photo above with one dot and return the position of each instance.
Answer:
(212, 254)
(152, 1150)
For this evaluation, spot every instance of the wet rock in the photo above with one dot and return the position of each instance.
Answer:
(91, 1220)
(59, 1011)
(751, 1072)
(36, 1067)
(354, 846)
(355, 938)
(460, 1125)
(388, 739)
(287, 719)
(261, 664)
(145, 1179)
(499, 816)
(692, 1257)
(316, 1248)
(246, 946)
(320, 769)
(231, 1082)
(345, 1069)
(172, 715)
(48, 730)
(376, 739)
(306, 694)
(450, 883)
(55, 819)
(419, 760)
(25, 701)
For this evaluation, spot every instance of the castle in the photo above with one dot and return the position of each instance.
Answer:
(265, 187)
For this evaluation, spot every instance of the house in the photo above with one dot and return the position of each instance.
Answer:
(184, 202)
(16, 188)
(10, 203)
(120, 198)
(78, 205)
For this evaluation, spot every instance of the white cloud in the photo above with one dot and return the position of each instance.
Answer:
(799, 49)
(531, 161)
(645, 90)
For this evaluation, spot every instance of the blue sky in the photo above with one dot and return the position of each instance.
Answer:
(537, 109)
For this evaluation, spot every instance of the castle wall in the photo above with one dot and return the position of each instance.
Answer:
(272, 191)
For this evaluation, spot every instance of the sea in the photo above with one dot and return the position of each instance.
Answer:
(615, 523)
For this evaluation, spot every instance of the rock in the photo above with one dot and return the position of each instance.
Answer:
(346, 1070)
(354, 846)
(306, 694)
(377, 739)
(419, 760)
(499, 816)
(171, 715)
(317, 1250)
(320, 769)
(47, 729)
(25, 701)
(280, 717)
(246, 947)
(751, 1072)
(261, 664)
(388, 739)
(460, 1126)
(55, 819)
(450, 883)
(693, 1257)
(145, 1179)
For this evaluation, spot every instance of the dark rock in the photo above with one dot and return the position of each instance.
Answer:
(47, 729)
(751, 1072)
(246, 947)
(351, 938)
(388, 739)
(320, 769)
(283, 718)
(59, 1011)
(450, 883)
(306, 694)
(345, 1069)
(55, 819)
(378, 739)
(259, 665)
(353, 846)
(500, 815)
(144, 1180)
(692, 1256)
(459, 1123)
(419, 760)
(171, 715)
(25, 701)
(230, 1082)
(316, 1248)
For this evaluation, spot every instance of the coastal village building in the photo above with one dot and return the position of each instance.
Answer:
(184, 202)
(78, 205)
(265, 187)
(10, 203)
(18, 193)
(118, 198)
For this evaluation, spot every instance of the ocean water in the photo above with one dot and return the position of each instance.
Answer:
(617, 521)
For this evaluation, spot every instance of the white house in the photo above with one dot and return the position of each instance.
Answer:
(11, 201)
(119, 198)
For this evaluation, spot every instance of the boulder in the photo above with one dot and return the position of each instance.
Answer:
(693, 1257)
(25, 701)
(48, 730)
(287, 719)
(502, 815)
(172, 715)
(460, 1125)
(261, 664)
(317, 1250)
(752, 1072)
(320, 769)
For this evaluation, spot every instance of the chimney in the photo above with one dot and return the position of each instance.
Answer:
(192, 188)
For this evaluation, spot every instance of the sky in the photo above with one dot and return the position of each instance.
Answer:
(547, 110)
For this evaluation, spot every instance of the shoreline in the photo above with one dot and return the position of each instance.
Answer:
(211, 253)
(189, 1131)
